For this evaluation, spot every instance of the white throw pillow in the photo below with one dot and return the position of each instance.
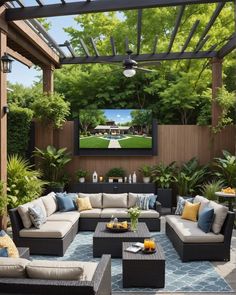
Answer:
(24, 214)
(220, 213)
(95, 199)
(54, 270)
(115, 200)
(13, 267)
(204, 202)
(50, 203)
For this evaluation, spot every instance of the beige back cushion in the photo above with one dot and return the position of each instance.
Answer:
(23, 211)
(95, 199)
(13, 267)
(50, 203)
(203, 201)
(132, 198)
(220, 213)
(115, 200)
(54, 270)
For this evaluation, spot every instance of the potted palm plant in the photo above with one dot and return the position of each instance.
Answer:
(81, 175)
(146, 172)
(163, 176)
(53, 162)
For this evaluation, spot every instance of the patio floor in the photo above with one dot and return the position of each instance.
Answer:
(225, 269)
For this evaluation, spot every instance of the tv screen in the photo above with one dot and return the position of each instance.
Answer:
(115, 129)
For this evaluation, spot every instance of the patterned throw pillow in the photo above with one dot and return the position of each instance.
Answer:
(3, 252)
(143, 202)
(181, 203)
(37, 216)
(6, 242)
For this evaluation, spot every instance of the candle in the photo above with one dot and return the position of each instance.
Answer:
(101, 178)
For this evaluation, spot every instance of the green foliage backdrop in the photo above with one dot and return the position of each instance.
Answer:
(19, 121)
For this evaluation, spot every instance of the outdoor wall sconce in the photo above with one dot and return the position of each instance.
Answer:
(6, 64)
(5, 109)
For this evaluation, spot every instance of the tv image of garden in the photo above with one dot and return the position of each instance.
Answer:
(115, 129)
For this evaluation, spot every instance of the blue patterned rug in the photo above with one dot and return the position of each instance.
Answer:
(180, 277)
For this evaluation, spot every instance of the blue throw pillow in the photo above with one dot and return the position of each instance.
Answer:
(181, 203)
(2, 233)
(143, 202)
(3, 252)
(72, 196)
(205, 219)
(152, 201)
(65, 204)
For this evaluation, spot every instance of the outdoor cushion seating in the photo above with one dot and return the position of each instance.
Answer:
(28, 277)
(55, 235)
(194, 244)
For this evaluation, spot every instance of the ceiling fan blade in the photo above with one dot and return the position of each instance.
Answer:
(145, 70)
(150, 63)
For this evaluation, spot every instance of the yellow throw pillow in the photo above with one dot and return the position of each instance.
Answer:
(84, 204)
(190, 211)
(6, 242)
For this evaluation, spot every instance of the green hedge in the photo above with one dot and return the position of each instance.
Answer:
(18, 128)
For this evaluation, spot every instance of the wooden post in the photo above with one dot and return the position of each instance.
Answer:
(48, 82)
(3, 122)
(216, 84)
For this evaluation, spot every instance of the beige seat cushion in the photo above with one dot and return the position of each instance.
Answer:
(220, 213)
(149, 214)
(95, 199)
(50, 203)
(50, 229)
(93, 213)
(204, 202)
(23, 211)
(71, 216)
(54, 270)
(189, 232)
(132, 198)
(115, 212)
(13, 267)
(115, 200)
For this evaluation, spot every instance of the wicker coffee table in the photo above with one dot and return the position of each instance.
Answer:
(105, 242)
(143, 270)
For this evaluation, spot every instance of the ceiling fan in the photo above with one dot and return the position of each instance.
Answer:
(130, 66)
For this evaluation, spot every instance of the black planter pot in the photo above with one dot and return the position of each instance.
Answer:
(165, 197)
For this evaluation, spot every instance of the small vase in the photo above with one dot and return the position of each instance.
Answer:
(133, 224)
(146, 179)
(81, 179)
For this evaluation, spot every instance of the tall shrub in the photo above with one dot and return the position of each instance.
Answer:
(18, 128)
(51, 109)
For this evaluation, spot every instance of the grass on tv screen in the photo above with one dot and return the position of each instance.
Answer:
(115, 129)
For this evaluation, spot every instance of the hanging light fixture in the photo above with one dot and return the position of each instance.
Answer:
(129, 72)
(6, 64)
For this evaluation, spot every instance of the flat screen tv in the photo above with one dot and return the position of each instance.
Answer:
(115, 132)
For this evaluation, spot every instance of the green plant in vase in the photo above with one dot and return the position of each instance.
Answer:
(134, 214)
(81, 175)
(146, 172)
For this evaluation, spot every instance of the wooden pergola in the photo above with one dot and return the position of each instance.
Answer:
(26, 40)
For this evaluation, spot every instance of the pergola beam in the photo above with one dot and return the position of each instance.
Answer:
(211, 22)
(155, 45)
(175, 30)
(113, 46)
(228, 47)
(83, 7)
(139, 30)
(17, 56)
(85, 48)
(94, 46)
(140, 57)
(191, 33)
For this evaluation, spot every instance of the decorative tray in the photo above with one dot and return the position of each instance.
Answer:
(118, 229)
(144, 251)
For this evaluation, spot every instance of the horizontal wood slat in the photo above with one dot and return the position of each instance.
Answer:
(175, 143)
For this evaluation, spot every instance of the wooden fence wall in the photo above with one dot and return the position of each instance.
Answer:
(175, 143)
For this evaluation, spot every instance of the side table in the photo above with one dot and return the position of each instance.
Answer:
(143, 270)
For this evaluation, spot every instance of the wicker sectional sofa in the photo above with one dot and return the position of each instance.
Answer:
(96, 280)
(54, 236)
(192, 243)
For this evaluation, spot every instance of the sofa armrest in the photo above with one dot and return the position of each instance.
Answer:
(102, 276)
(158, 207)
